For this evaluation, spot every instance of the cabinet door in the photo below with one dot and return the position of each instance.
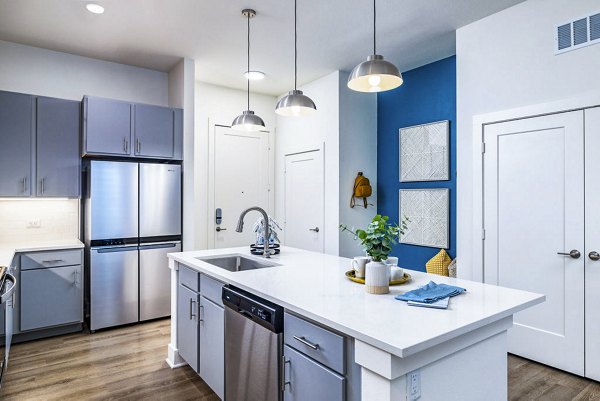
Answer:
(51, 297)
(107, 126)
(58, 159)
(16, 113)
(153, 131)
(212, 346)
(309, 380)
(178, 134)
(188, 333)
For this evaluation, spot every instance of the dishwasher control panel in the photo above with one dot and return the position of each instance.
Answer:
(263, 312)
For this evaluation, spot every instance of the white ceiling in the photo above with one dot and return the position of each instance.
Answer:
(332, 34)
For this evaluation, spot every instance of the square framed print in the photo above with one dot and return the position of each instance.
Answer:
(424, 152)
(428, 213)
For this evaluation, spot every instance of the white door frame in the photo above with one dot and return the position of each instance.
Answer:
(479, 123)
(210, 226)
(298, 150)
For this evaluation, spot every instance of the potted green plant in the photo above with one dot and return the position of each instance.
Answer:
(378, 240)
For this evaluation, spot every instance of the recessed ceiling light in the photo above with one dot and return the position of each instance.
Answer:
(254, 75)
(95, 8)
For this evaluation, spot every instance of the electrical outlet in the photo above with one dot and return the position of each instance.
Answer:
(34, 223)
(413, 384)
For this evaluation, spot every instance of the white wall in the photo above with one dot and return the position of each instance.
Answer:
(59, 219)
(44, 72)
(506, 61)
(358, 152)
(181, 95)
(299, 134)
(217, 105)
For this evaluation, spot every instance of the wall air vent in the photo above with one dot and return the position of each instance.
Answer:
(577, 34)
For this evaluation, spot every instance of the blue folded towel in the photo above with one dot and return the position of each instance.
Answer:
(431, 292)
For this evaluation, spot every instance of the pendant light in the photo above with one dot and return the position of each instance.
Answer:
(248, 121)
(375, 74)
(295, 103)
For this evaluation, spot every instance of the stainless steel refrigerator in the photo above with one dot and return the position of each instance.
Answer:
(132, 220)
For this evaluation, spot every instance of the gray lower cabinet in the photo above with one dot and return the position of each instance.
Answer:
(188, 333)
(212, 346)
(309, 380)
(58, 159)
(153, 132)
(201, 327)
(106, 127)
(16, 136)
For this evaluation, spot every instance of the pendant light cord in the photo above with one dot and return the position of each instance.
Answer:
(374, 28)
(295, 44)
(248, 69)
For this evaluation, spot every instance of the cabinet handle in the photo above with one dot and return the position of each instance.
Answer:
(200, 309)
(24, 181)
(124, 145)
(53, 261)
(192, 315)
(75, 278)
(284, 382)
(139, 146)
(42, 184)
(307, 343)
(594, 255)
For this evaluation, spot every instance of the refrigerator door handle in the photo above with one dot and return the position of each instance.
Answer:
(158, 246)
(126, 248)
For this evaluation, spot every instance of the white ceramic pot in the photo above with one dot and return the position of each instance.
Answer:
(377, 278)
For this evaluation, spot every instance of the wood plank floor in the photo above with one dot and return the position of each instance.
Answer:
(129, 364)
(121, 364)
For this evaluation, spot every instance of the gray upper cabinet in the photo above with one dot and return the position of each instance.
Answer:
(117, 128)
(16, 122)
(58, 159)
(106, 127)
(154, 131)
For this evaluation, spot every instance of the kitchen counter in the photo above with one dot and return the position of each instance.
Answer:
(391, 338)
(8, 250)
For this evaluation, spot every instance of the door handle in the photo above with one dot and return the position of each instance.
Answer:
(219, 229)
(594, 255)
(575, 254)
(192, 314)
(284, 382)
(316, 229)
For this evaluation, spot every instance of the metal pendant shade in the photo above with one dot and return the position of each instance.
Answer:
(295, 103)
(248, 121)
(375, 74)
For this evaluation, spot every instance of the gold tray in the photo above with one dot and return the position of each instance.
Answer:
(351, 275)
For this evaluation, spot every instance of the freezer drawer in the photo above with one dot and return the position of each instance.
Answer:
(155, 280)
(113, 200)
(113, 286)
(160, 200)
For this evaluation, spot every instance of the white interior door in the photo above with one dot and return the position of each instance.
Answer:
(304, 200)
(592, 243)
(240, 180)
(534, 209)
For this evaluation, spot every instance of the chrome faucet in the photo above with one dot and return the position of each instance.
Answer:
(267, 234)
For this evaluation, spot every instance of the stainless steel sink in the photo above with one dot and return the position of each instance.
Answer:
(237, 263)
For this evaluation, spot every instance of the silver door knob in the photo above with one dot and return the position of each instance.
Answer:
(316, 229)
(575, 254)
(594, 255)
(219, 229)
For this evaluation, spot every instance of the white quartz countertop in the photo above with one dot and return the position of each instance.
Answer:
(8, 250)
(313, 285)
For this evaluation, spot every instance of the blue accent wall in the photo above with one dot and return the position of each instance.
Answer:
(427, 95)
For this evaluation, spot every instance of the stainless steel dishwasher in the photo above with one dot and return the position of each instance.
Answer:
(253, 347)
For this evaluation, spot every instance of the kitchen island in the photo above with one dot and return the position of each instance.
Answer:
(457, 354)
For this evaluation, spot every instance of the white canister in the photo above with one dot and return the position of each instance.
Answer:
(377, 278)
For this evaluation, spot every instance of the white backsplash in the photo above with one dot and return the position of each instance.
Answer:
(59, 219)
